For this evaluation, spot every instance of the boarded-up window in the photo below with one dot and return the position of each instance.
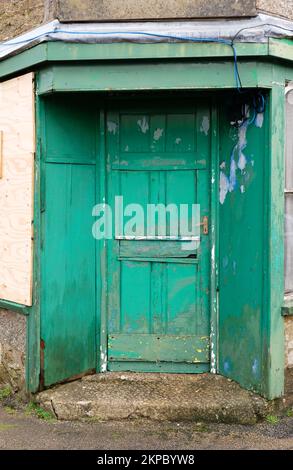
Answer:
(289, 192)
(16, 188)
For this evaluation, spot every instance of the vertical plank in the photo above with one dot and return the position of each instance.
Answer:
(33, 323)
(273, 341)
(68, 326)
(214, 234)
(102, 286)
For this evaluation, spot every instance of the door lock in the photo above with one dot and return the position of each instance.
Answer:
(205, 225)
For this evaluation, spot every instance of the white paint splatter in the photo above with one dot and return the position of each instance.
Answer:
(232, 180)
(112, 127)
(259, 120)
(143, 124)
(223, 165)
(242, 162)
(213, 352)
(242, 141)
(158, 134)
(224, 187)
(178, 141)
(255, 367)
(228, 183)
(205, 125)
(242, 189)
(213, 256)
(103, 360)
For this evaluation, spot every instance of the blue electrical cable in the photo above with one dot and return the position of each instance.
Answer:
(227, 42)
(230, 43)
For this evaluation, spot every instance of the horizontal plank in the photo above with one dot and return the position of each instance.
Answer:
(158, 348)
(160, 260)
(159, 367)
(82, 160)
(281, 48)
(151, 248)
(14, 307)
(169, 161)
(146, 76)
(60, 52)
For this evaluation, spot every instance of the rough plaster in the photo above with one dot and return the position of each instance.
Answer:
(280, 8)
(18, 16)
(12, 349)
(73, 10)
(289, 341)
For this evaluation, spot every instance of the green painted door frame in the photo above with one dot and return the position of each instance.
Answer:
(158, 152)
(209, 75)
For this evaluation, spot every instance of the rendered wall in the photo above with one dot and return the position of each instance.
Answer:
(84, 10)
(12, 349)
(280, 8)
(289, 342)
(16, 188)
(19, 16)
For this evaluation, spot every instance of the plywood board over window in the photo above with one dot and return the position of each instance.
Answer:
(16, 188)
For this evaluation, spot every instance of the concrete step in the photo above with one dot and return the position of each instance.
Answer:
(161, 397)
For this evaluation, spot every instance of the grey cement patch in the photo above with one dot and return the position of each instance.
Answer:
(13, 329)
(12, 349)
(158, 397)
(85, 10)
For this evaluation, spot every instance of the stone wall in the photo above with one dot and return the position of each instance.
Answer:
(280, 8)
(12, 349)
(105, 10)
(19, 16)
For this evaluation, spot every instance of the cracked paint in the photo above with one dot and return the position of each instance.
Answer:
(205, 125)
(143, 125)
(112, 127)
(158, 134)
(259, 120)
(229, 183)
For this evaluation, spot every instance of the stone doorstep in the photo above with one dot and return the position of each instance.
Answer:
(159, 397)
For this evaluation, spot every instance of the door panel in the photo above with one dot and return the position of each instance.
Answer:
(158, 291)
(68, 284)
(68, 250)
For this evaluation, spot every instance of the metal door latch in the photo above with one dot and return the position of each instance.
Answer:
(205, 225)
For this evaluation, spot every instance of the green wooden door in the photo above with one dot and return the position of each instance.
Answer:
(158, 290)
(68, 256)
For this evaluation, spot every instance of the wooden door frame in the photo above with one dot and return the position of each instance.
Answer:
(213, 76)
(101, 266)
